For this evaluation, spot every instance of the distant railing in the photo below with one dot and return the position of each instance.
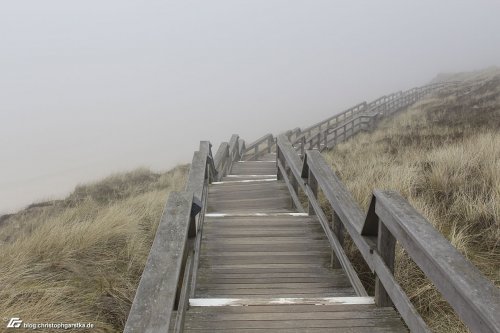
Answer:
(390, 219)
(352, 122)
(259, 147)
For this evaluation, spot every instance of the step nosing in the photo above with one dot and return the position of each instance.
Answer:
(347, 300)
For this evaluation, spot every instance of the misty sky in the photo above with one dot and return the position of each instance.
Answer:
(91, 87)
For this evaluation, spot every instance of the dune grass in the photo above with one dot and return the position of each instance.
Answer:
(443, 156)
(80, 259)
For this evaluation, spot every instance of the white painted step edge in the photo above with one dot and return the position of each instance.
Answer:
(245, 181)
(252, 214)
(280, 301)
(243, 176)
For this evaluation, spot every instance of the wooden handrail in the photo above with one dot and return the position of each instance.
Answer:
(169, 276)
(267, 139)
(391, 219)
(155, 298)
(290, 168)
(473, 296)
(221, 160)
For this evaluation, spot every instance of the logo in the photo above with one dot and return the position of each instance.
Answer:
(14, 323)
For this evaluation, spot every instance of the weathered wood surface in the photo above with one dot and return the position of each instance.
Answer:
(275, 255)
(353, 220)
(475, 298)
(288, 157)
(263, 244)
(155, 297)
(294, 318)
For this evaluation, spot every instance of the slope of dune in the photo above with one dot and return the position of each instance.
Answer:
(80, 259)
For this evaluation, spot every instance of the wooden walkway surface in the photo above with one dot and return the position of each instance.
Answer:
(266, 268)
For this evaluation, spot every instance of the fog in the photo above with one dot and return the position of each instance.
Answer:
(91, 87)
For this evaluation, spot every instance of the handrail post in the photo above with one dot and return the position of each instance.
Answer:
(313, 185)
(270, 141)
(279, 176)
(294, 183)
(338, 230)
(386, 245)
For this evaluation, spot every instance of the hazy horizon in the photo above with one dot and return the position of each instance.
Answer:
(91, 88)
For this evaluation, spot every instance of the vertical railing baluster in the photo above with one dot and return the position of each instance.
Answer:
(338, 230)
(386, 245)
(313, 186)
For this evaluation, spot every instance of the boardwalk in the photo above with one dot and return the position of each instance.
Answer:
(232, 254)
(258, 254)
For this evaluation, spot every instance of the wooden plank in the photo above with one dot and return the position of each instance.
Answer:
(283, 247)
(284, 293)
(295, 316)
(271, 259)
(248, 221)
(266, 285)
(288, 308)
(267, 240)
(272, 324)
(335, 274)
(155, 296)
(316, 301)
(270, 269)
(208, 280)
(308, 330)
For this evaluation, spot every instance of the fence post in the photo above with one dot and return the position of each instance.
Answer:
(279, 176)
(313, 185)
(386, 244)
(338, 230)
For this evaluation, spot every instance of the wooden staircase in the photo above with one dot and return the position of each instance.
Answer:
(255, 243)
(264, 267)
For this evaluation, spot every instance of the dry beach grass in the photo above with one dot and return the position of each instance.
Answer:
(80, 259)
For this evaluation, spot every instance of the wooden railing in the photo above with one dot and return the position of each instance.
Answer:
(227, 154)
(353, 122)
(390, 219)
(169, 277)
(259, 147)
(329, 122)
